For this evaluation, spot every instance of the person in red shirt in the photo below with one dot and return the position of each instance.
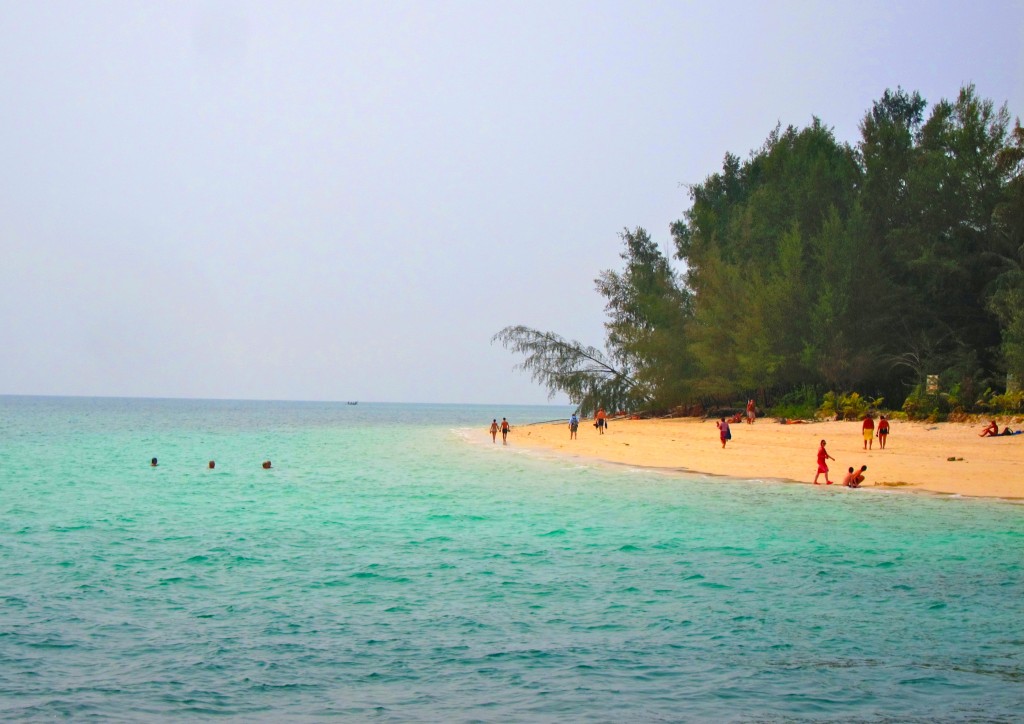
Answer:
(822, 465)
(869, 431)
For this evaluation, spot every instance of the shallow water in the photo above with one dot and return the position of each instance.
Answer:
(388, 567)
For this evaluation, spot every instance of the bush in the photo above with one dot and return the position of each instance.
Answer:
(920, 405)
(1007, 403)
(800, 404)
(847, 406)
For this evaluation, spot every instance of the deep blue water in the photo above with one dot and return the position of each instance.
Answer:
(391, 567)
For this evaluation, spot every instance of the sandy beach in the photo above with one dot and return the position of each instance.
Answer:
(916, 457)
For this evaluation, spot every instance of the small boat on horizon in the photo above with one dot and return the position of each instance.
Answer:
(350, 402)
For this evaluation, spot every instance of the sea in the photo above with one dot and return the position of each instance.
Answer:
(393, 564)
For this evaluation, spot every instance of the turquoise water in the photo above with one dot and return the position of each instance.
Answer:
(389, 567)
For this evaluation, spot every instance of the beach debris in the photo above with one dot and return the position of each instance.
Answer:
(953, 459)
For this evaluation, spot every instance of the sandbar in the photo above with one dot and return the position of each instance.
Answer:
(916, 457)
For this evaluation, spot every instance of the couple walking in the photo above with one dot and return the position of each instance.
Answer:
(504, 427)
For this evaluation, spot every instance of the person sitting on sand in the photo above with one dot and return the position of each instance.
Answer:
(991, 430)
(854, 479)
(822, 465)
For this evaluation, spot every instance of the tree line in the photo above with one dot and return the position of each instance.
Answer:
(893, 267)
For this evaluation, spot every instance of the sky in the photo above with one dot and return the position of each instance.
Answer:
(347, 200)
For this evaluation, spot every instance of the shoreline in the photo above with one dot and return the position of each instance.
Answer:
(916, 458)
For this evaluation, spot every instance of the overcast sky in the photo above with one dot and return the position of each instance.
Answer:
(345, 201)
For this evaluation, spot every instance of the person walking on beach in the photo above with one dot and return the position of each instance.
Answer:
(822, 465)
(723, 431)
(494, 430)
(600, 420)
(505, 427)
(883, 432)
(574, 425)
(868, 428)
(751, 411)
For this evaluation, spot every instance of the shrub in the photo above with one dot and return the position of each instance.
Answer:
(921, 405)
(847, 406)
(1007, 403)
(801, 403)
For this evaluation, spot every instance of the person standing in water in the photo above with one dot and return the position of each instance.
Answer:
(505, 427)
(822, 465)
(494, 430)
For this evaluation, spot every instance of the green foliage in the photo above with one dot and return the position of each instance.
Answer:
(648, 313)
(761, 244)
(583, 373)
(1006, 403)
(923, 405)
(847, 406)
(799, 404)
(813, 262)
